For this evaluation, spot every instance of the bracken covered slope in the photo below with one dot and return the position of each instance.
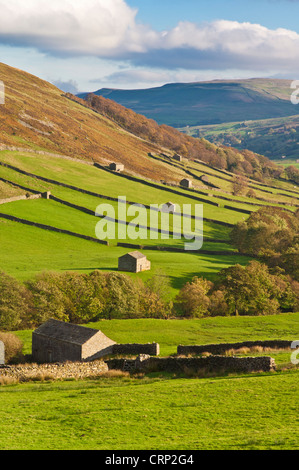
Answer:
(39, 116)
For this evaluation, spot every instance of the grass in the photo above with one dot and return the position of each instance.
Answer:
(170, 333)
(95, 180)
(235, 412)
(256, 411)
(273, 137)
(36, 250)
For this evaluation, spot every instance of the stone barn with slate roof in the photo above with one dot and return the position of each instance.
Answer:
(178, 157)
(168, 207)
(116, 166)
(56, 341)
(186, 183)
(134, 262)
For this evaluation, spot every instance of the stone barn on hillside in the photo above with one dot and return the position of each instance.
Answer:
(134, 262)
(204, 178)
(117, 167)
(178, 157)
(168, 207)
(185, 183)
(56, 341)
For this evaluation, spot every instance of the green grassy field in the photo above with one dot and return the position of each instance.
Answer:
(271, 137)
(170, 333)
(155, 411)
(36, 249)
(254, 411)
(236, 412)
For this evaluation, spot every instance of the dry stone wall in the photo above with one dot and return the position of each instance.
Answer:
(223, 347)
(152, 349)
(57, 371)
(182, 364)
(20, 198)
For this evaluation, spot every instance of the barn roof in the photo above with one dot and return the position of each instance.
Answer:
(62, 331)
(136, 255)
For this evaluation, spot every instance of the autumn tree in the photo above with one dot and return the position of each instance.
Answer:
(14, 303)
(253, 290)
(193, 298)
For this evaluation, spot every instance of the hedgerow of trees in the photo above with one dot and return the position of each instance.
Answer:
(254, 289)
(272, 236)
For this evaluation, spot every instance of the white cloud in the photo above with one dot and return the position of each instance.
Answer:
(109, 29)
(89, 27)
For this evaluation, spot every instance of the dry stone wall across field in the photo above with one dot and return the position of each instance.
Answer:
(179, 365)
(221, 348)
(56, 371)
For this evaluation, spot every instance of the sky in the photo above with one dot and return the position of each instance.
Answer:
(84, 45)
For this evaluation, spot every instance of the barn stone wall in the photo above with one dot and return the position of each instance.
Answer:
(223, 347)
(152, 349)
(181, 365)
(97, 346)
(51, 350)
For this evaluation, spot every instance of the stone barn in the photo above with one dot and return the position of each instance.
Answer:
(134, 262)
(56, 341)
(168, 207)
(2, 353)
(117, 167)
(204, 178)
(178, 157)
(46, 195)
(185, 183)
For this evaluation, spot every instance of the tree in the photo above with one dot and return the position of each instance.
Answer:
(14, 303)
(253, 290)
(155, 298)
(218, 305)
(267, 233)
(240, 184)
(69, 296)
(292, 173)
(193, 298)
(47, 298)
(123, 297)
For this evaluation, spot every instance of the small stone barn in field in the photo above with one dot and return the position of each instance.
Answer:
(117, 167)
(178, 157)
(134, 262)
(186, 183)
(168, 207)
(56, 341)
(204, 178)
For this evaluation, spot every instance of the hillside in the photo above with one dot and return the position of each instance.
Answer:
(206, 103)
(275, 138)
(227, 158)
(254, 114)
(38, 117)
(57, 143)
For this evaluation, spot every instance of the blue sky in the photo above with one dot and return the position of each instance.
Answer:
(167, 13)
(83, 45)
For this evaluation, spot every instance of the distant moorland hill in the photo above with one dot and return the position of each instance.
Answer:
(204, 103)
